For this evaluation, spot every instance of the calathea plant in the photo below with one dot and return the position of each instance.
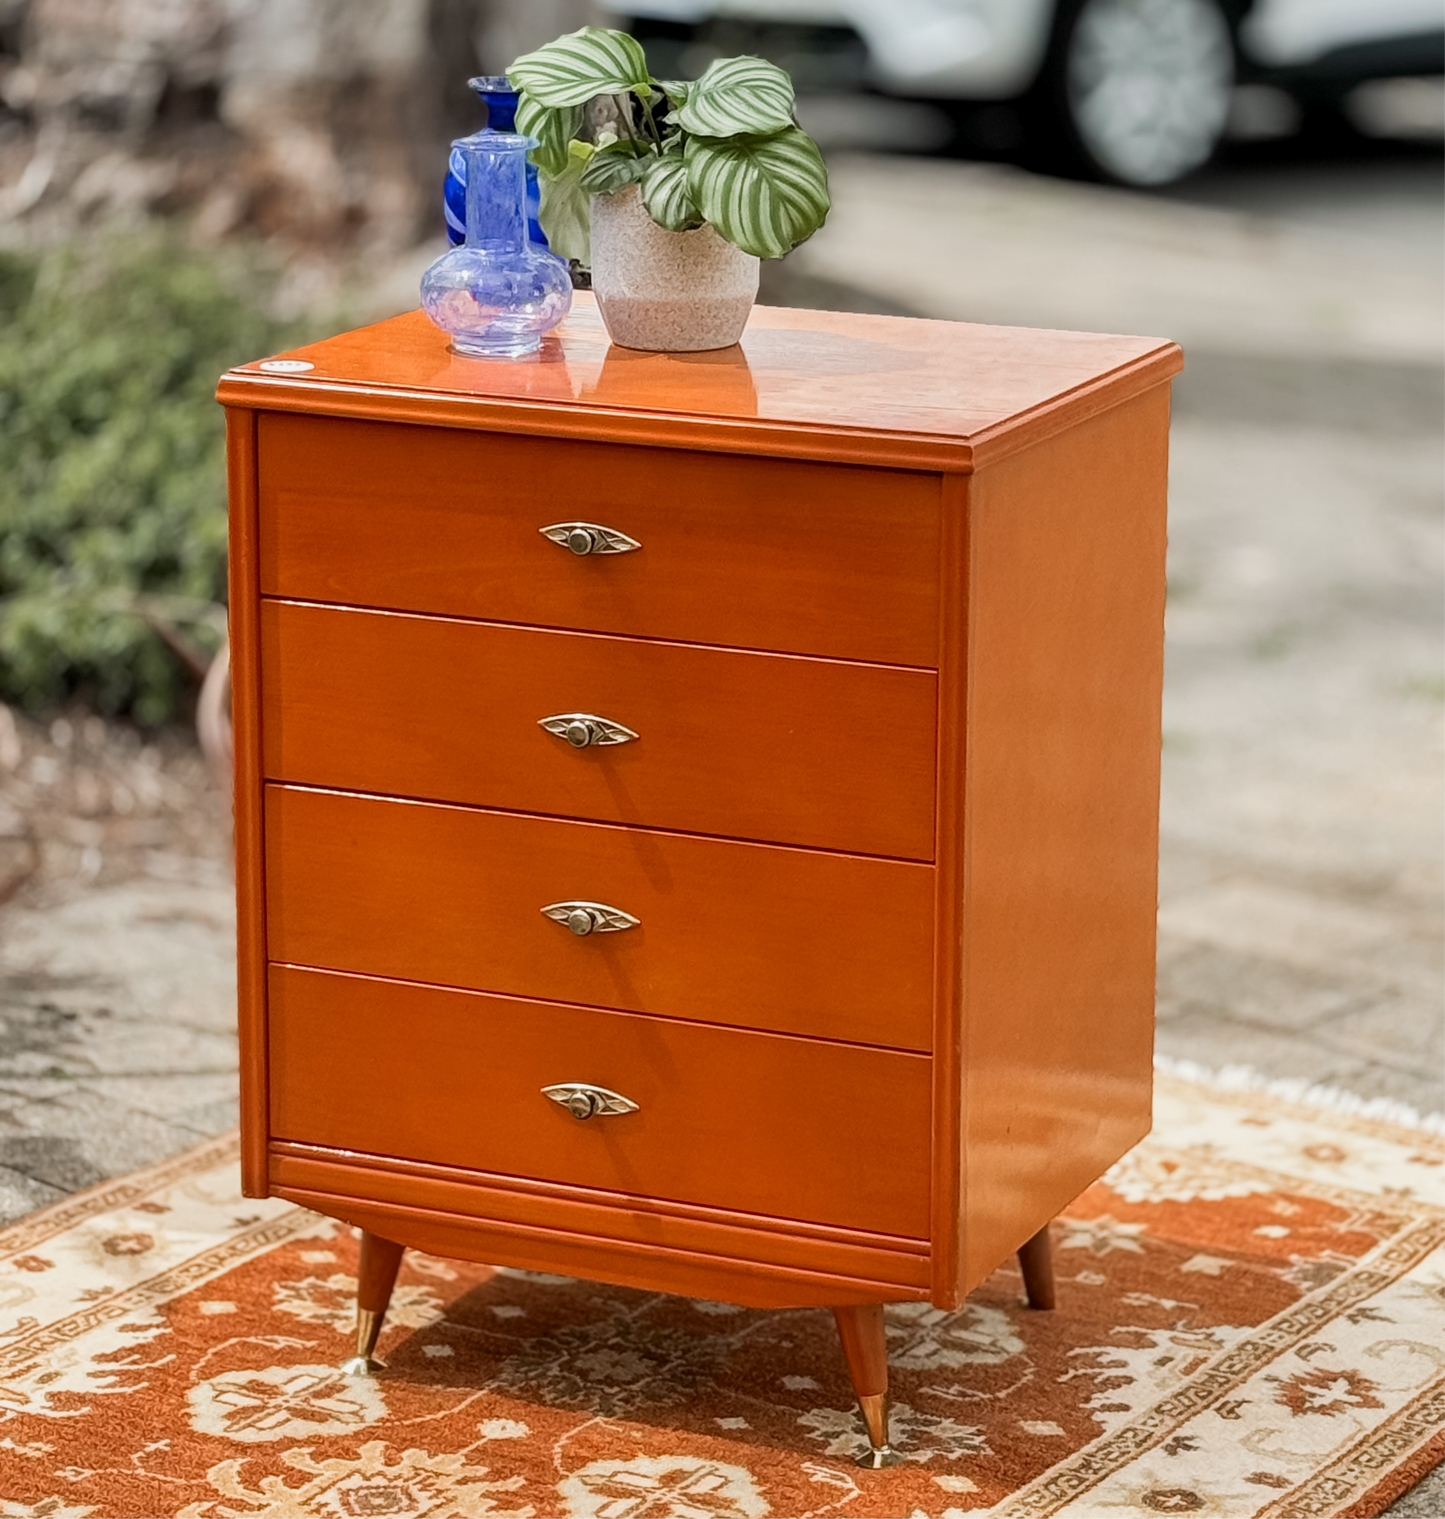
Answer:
(724, 149)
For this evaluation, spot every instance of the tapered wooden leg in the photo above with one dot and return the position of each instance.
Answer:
(866, 1351)
(1036, 1262)
(375, 1278)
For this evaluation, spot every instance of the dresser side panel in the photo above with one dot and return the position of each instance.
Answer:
(1060, 816)
(245, 656)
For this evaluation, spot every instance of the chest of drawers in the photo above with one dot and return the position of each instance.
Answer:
(696, 814)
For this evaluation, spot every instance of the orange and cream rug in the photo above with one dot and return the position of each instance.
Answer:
(1251, 1322)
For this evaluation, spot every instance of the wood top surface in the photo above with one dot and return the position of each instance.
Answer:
(866, 389)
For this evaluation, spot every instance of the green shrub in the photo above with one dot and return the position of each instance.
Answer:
(112, 469)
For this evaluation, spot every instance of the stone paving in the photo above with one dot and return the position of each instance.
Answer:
(1301, 888)
(1300, 900)
(117, 964)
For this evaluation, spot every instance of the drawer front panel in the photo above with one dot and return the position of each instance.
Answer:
(835, 946)
(754, 746)
(765, 554)
(759, 1123)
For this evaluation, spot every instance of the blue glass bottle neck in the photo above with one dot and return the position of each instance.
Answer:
(500, 100)
(496, 195)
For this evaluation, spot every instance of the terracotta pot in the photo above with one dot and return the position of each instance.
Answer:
(669, 292)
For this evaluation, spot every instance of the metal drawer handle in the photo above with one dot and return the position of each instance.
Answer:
(589, 538)
(585, 918)
(585, 730)
(583, 1100)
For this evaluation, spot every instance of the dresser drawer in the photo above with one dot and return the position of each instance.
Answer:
(770, 554)
(754, 746)
(759, 1123)
(758, 936)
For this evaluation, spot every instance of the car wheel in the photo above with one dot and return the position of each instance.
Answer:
(1141, 88)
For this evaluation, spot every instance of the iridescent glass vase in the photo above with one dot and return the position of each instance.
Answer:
(499, 292)
(500, 101)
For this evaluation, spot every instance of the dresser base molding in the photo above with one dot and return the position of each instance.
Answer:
(651, 1268)
(485, 1194)
(633, 1242)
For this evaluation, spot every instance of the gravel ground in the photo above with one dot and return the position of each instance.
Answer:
(117, 975)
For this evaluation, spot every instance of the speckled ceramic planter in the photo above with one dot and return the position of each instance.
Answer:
(671, 292)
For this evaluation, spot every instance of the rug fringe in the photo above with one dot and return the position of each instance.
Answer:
(1244, 1078)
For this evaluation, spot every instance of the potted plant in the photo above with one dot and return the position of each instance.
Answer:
(670, 191)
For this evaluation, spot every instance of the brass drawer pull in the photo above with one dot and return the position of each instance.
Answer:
(583, 1100)
(589, 917)
(589, 538)
(584, 730)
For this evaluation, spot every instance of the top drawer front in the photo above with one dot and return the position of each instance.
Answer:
(764, 554)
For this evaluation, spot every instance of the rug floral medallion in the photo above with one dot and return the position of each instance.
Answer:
(1251, 1322)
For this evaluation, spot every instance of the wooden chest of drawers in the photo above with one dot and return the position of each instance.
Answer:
(752, 754)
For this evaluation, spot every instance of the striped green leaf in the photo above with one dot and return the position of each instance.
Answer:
(738, 95)
(553, 127)
(566, 208)
(666, 195)
(764, 194)
(612, 167)
(574, 68)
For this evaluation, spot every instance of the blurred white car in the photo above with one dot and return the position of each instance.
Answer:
(1138, 91)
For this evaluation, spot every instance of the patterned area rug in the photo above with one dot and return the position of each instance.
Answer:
(1251, 1322)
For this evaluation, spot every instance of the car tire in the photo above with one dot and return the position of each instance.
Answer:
(1137, 92)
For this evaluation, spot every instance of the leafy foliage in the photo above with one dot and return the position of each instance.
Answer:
(574, 68)
(765, 194)
(613, 167)
(738, 95)
(554, 128)
(723, 149)
(667, 195)
(112, 472)
(564, 206)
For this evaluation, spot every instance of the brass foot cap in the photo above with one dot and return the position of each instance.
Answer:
(876, 1460)
(361, 1366)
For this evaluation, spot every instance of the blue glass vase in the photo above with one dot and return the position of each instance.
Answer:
(496, 93)
(499, 292)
